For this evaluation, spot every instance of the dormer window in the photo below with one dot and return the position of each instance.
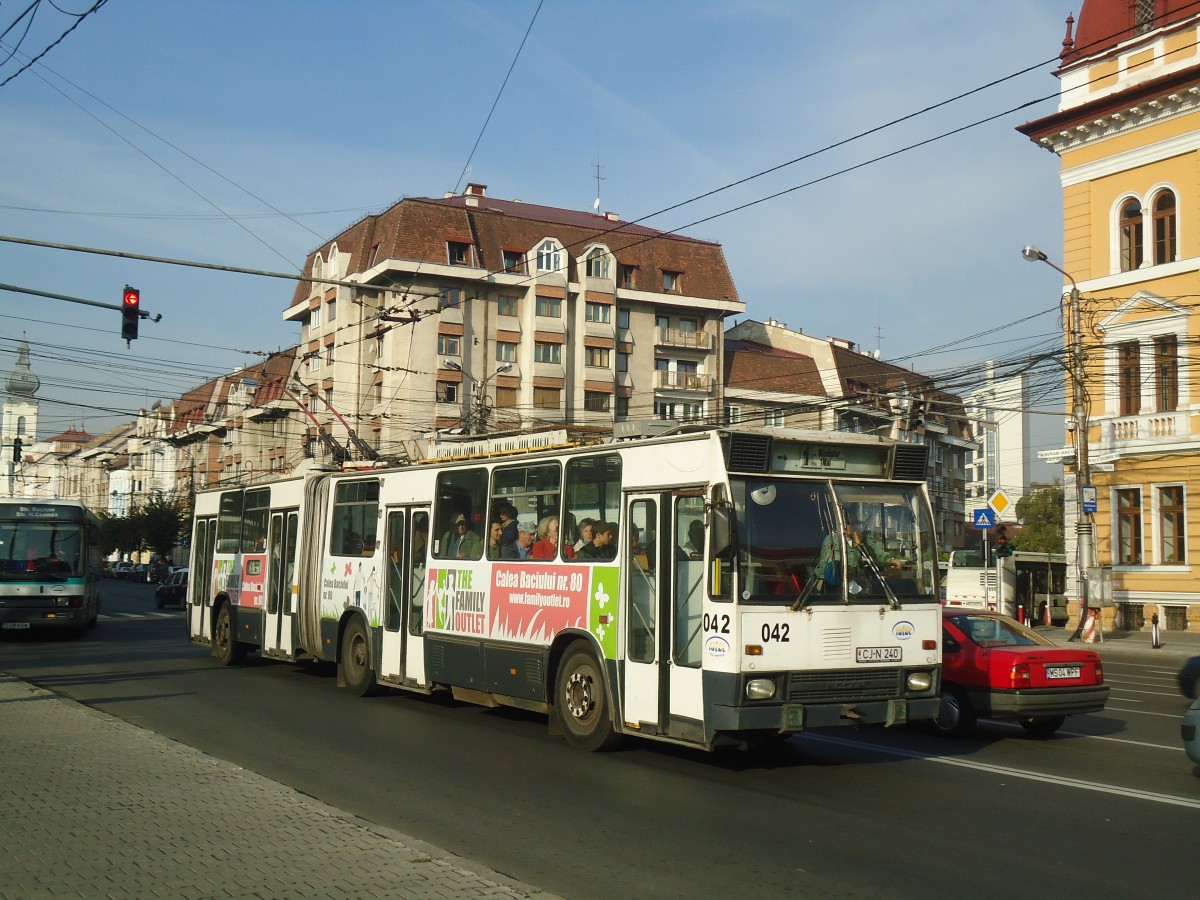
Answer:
(514, 261)
(458, 253)
(549, 259)
(671, 281)
(597, 264)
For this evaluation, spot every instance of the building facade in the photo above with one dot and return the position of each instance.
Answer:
(1001, 459)
(1127, 133)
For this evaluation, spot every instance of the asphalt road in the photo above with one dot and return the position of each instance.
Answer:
(1110, 807)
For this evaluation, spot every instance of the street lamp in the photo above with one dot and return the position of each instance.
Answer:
(479, 418)
(1079, 415)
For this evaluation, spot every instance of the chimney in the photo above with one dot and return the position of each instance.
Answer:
(471, 200)
(612, 217)
(474, 189)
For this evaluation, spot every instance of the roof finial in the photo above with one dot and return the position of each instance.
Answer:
(1068, 45)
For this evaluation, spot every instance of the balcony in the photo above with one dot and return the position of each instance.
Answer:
(1145, 430)
(692, 340)
(685, 381)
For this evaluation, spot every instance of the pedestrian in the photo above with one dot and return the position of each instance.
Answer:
(1154, 642)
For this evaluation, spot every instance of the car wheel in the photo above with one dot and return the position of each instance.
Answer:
(955, 716)
(581, 701)
(1043, 726)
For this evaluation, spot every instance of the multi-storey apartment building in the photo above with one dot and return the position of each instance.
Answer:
(479, 315)
(999, 414)
(1127, 132)
(780, 377)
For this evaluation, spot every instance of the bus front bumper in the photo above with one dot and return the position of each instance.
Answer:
(791, 717)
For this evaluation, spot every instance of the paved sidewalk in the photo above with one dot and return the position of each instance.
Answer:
(1176, 645)
(96, 807)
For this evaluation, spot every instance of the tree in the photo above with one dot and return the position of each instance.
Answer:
(1041, 514)
(118, 533)
(160, 522)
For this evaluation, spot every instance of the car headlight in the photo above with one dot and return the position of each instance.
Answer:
(760, 689)
(920, 681)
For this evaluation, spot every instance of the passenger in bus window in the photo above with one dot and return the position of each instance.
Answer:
(603, 545)
(524, 543)
(460, 541)
(693, 547)
(585, 533)
(495, 529)
(546, 546)
(637, 552)
(507, 514)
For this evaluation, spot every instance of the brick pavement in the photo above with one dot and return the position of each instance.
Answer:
(96, 807)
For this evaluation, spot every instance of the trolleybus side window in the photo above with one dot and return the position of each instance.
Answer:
(689, 579)
(460, 495)
(254, 520)
(640, 576)
(396, 570)
(594, 492)
(532, 495)
(420, 539)
(229, 523)
(355, 518)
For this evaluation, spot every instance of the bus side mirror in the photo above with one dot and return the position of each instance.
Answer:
(721, 537)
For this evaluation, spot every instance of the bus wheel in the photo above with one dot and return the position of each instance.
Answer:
(1043, 726)
(225, 647)
(357, 673)
(955, 717)
(580, 702)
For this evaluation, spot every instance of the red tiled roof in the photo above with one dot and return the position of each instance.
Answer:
(71, 436)
(1103, 24)
(758, 367)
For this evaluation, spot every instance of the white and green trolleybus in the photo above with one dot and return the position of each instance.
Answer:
(696, 588)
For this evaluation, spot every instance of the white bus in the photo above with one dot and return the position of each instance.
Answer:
(1032, 585)
(49, 565)
(696, 614)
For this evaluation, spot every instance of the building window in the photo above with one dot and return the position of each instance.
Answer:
(549, 259)
(599, 357)
(626, 276)
(1131, 235)
(514, 261)
(596, 401)
(373, 256)
(329, 355)
(506, 352)
(733, 415)
(1171, 520)
(773, 418)
(622, 318)
(547, 353)
(1166, 373)
(458, 254)
(1129, 527)
(330, 310)
(1164, 227)
(547, 398)
(622, 408)
(597, 264)
(447, 392)
(1143, 16)
(314, 317)
(622, 362)
(550, 307)
(448, 345)
(506, 305)
(506, 398)
(597, 312)
(1129, 377)
(670, 281)
(450, 298)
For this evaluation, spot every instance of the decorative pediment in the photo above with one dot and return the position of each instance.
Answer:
(1139, 311)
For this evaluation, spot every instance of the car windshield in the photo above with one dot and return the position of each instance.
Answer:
(998, 631)
(833, 541)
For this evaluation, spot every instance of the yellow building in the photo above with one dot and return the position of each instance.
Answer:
(1127, 133)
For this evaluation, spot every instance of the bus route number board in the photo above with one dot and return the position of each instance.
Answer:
(877, 654)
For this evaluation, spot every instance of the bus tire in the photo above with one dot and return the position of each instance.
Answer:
(355, 660)
(1043, 726)
(955, 716)
(581, 705)
(225, 647)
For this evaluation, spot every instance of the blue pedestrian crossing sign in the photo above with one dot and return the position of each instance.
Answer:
(985, 518)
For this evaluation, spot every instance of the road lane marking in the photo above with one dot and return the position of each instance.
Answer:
(1102, 737)
(1063, 781)
(1142, 712)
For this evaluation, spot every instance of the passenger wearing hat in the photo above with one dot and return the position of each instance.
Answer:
(460, 541)
(520, 549)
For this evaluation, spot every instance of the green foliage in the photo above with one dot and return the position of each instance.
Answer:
(156, 525)
(1042, 516)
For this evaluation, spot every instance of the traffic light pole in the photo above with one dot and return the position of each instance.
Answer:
(120, 307)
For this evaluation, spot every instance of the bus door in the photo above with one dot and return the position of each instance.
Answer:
(200, 574)
(688, 588)
(279, 609)
(645, 680)
(402, 658)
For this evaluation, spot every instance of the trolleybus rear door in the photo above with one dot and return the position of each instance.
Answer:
(279, 609)
(645, 680)
(200, 586)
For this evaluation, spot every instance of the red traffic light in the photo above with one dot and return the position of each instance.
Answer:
(132, 296)
(130, 312)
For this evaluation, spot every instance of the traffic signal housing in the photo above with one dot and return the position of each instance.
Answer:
(131, 308)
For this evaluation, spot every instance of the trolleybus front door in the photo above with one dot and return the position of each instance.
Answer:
(280, 607)
(644, 678)
(200, 575)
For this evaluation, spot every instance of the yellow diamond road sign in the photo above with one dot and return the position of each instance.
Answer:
(999, 502)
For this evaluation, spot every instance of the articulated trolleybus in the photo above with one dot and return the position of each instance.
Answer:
(700, 588)
(49, 565)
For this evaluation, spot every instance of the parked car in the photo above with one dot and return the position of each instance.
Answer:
(140, 573)
(993, 667)
(121, 570)
(173, 590)
(1189, 678)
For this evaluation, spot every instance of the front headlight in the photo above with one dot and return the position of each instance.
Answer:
(760, 689)
(920, 681)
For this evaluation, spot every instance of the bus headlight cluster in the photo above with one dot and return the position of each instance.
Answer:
(760, 689)
(920, 681)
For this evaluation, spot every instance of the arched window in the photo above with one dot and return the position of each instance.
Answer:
(597, 263)
(20, 424)
(1164, 227)
(1131, 235)
(548, 257)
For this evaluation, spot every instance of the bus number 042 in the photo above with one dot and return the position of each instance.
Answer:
(716, 622)
(775, 632)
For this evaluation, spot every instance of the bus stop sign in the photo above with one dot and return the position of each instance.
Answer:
(985, 518)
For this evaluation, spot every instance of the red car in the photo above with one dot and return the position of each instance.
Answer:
(995, 668)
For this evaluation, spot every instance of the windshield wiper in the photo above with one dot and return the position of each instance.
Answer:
(865, 556)
(801, 601)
